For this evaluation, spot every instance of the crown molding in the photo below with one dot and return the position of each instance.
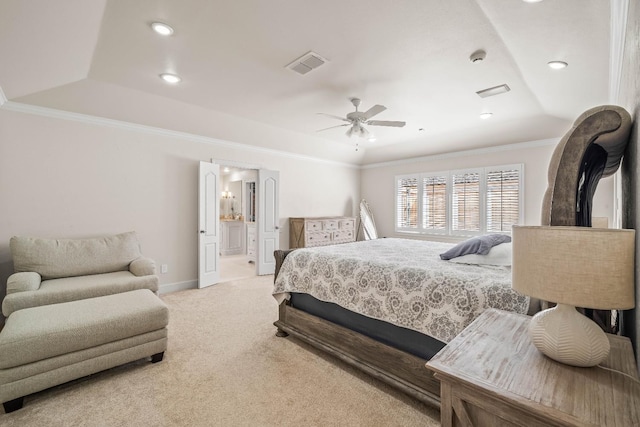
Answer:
(3, 98)
(619, 12)
(119, 124)
(465, 153)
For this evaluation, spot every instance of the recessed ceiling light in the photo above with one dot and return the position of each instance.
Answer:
(162, 28)
(485, 116)
(170, 78)
(531, 1)
(557, 65)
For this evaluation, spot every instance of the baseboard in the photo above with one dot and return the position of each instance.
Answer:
(179, 286)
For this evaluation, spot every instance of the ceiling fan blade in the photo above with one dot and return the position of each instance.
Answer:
(386, 123)
(376, 109)
(335, 117)
(338, 126)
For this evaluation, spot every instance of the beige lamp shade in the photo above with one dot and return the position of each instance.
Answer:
(579, 266)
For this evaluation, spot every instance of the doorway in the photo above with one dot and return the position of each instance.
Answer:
(237, 222)
(222, 218)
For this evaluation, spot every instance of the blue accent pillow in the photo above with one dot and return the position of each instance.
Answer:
(476, 245)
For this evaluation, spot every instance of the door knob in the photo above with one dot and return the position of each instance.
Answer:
(202, 231)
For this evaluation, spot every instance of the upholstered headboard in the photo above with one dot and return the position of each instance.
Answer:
(592, 149)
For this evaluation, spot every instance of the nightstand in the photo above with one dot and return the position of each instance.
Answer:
(492, 375)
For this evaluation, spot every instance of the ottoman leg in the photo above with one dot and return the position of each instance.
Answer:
(157, 357)
(13, 405)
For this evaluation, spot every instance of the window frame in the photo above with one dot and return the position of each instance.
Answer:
(482, 206)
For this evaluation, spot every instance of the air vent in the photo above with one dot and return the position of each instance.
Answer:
(307, 62)
(492, 91)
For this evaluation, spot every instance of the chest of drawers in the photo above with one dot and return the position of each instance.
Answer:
(321, 231)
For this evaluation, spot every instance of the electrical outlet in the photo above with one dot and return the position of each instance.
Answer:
(164, 268)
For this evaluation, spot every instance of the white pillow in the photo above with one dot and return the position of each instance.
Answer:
(498, 255)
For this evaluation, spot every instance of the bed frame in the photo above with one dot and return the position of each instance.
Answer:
(397, 368)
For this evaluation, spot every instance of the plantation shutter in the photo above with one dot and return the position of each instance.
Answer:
(503, 199)
(434, 203)
(465, 207)
(407, 203)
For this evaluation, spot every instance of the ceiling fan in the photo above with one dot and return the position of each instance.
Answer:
(357, 119)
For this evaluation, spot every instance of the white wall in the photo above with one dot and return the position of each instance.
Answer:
(66, 179)
(378, 182)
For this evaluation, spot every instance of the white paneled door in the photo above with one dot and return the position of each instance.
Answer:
(209, 225)
(268, 220)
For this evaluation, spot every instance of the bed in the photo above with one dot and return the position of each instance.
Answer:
(386, 306)
(394, 349)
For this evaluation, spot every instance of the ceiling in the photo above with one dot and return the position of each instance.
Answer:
(412, 56)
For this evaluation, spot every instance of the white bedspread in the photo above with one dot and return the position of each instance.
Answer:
(400, 281)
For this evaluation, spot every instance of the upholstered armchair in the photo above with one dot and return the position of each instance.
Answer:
(51, 271)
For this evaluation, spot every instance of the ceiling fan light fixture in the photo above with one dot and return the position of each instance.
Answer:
(485, 116)
(170, 78)
(162, 28)
(372, 139)
(557, 65)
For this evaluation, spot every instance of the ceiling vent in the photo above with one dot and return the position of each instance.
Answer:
(307, 62)
(492, 91)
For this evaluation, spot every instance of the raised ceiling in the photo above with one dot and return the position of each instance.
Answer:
(101, 58)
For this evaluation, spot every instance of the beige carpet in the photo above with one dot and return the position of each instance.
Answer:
(225, 367)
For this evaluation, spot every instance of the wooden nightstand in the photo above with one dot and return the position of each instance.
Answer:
(492, 375)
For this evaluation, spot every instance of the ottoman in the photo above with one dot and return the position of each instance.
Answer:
(41, 347)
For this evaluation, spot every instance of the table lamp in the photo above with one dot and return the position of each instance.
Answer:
(573, 267)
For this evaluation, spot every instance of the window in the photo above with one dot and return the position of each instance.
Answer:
(463, 202)
(407, 206)
(434, 203)
(503, 199)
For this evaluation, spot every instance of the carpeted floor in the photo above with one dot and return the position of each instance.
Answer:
(225, 367)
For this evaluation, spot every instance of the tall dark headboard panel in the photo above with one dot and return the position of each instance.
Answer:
(591, 149)
(630, 99)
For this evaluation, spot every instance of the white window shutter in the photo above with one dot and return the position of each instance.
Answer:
(407, 203)
(434, 203)
(465, 206)
(503, 199)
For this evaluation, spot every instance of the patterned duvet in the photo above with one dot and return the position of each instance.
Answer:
(400, 281)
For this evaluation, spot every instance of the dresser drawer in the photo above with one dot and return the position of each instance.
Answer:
(330, 224)
(317, 239)
(343, 236)
(312, 226)
(347, 224)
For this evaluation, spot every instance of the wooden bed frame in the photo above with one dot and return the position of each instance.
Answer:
(397, 368)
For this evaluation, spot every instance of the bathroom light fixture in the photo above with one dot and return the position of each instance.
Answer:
(170, 78)
(485, 116)
(557, 65)
(162, 28)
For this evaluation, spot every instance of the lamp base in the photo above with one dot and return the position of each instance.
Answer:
(568, 337)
